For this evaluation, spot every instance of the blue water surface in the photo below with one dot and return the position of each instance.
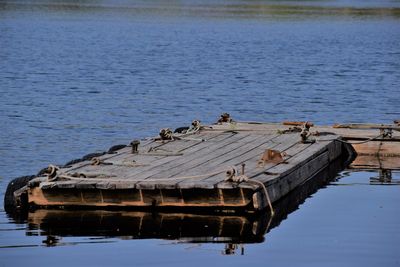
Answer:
(80, 76)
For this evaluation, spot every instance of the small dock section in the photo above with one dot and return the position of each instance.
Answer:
(223, 167)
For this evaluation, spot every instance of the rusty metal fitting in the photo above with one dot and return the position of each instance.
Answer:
(386, 133)
(196, 124)
(305, 133)
(166, 134)
(271, 156)
(308, 125)
(225, 117)
(135, 146)
(304, 136)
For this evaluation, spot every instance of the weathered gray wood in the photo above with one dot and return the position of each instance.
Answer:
(235, 154)
(75, 167)
(209, 161)
(219, 137)
(288, 143)
(235, 158)
(295, 162)
(187, 160)
(165, 147)
(213, 161)
(272, 172)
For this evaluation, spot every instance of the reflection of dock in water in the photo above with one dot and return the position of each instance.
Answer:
(384, 177)
(191, 228)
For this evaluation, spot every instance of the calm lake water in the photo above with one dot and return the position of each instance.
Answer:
(79, 76)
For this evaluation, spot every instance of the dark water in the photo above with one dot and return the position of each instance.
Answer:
(80, 76)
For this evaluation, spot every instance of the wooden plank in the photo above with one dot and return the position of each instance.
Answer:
(142, 160)
(122, 170)
(290, 145)
(274, 172)
(269, 128)
(229, 156)
(294, 162)
(125, 150)
(144, 147)
(225, 159)
(125, 154)
(192, 160)
(171, 160)
(246, 155)
(164, 147)
(211, 155)
(211, 164)
(94, 170)
(248, 152)
(197, 160)
(192, 155)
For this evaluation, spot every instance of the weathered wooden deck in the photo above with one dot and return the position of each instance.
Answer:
(191, 171)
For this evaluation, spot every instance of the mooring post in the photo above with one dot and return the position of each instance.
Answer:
(135, 146)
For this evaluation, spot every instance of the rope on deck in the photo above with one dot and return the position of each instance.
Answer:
(361, 142)
(353, 143)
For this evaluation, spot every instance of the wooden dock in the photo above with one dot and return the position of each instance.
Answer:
(227, 166)
(55, 224)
